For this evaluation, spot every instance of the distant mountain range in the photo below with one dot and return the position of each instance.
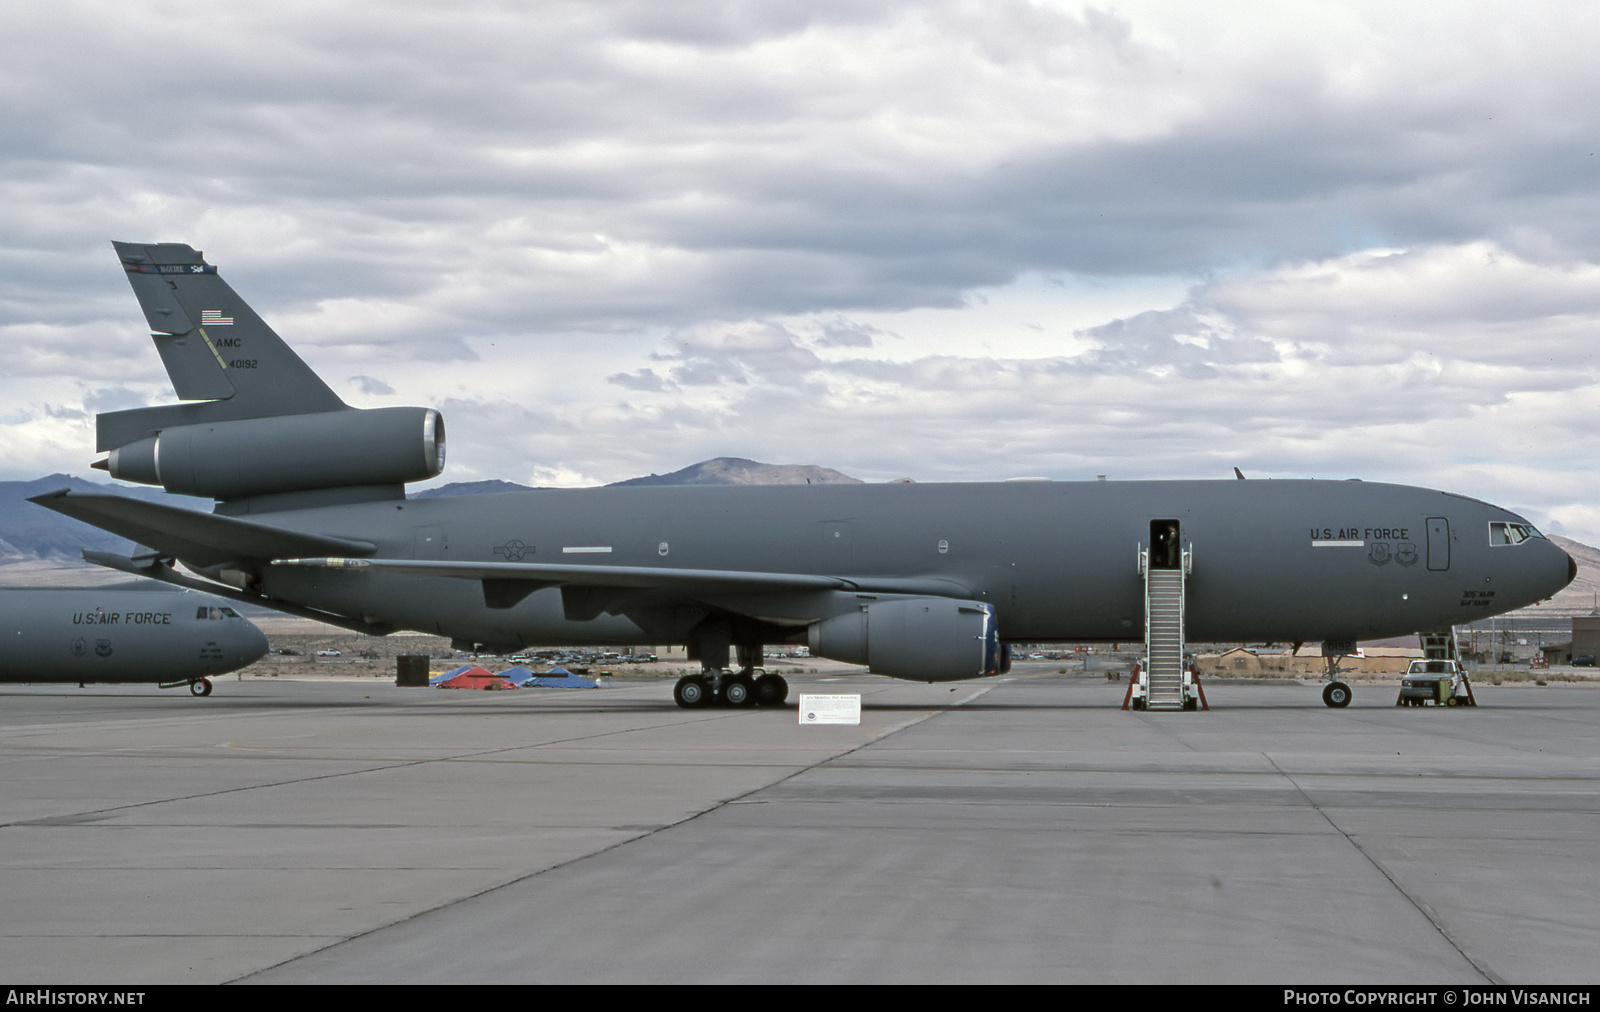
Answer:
(32, 533)
(716, 471)
(738, 471)
(29, 533)
(1582, 595)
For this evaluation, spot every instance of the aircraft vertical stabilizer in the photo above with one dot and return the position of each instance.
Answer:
(215, 348)
(259, 423)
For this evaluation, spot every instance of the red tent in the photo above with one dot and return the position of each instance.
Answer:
(477, 678)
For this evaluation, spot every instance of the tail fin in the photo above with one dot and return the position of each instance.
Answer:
(216, 350)
(261, 431)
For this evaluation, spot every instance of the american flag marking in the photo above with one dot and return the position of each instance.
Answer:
(214, 318)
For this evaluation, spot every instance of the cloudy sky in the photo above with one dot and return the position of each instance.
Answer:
(938, 240)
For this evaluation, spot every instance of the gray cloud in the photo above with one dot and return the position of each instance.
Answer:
(619, 212)
(621, 166)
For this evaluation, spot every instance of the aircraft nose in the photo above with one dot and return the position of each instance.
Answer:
(250, 642)
(1572, 568)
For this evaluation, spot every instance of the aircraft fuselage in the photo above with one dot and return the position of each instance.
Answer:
(1273, 560)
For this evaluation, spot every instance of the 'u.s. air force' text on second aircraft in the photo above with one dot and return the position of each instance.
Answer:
(918, 581)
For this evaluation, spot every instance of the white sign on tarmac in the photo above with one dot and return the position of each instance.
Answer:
(830, 709)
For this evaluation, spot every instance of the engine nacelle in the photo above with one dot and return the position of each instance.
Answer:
(287, 453)
(923, 639)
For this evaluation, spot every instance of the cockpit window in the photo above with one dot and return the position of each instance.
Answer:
(1502, 533)
(230, 613)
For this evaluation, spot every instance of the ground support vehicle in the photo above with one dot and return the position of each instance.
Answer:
(1443, 683)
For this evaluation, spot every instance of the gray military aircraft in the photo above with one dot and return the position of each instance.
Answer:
(170, 637)
(917, 581)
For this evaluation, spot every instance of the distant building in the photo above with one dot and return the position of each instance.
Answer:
(1368, 661)
(1585, 640)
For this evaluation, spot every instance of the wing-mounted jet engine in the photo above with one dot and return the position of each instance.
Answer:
(929, 639)
(261, 423)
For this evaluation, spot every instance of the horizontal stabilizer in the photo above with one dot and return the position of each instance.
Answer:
(154, 569)
(199, 539)
(662, 578)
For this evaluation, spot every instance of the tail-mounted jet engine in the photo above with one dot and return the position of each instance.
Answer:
(924, 639)
(287, 453)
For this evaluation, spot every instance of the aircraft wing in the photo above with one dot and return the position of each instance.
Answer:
(505, 583)
(641, 577)
(197, 538)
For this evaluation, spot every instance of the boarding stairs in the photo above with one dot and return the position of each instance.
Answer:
(1166, 682)
(1439, 646)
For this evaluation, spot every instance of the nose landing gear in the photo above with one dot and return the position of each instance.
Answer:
(1336, 694)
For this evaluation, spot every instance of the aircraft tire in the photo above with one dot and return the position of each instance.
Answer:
(691, 690)
(738, 691)
(1336, 695)
(202, 687)
(771, 690)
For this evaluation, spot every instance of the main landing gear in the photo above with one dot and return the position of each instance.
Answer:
(715, 685)
(717, 688)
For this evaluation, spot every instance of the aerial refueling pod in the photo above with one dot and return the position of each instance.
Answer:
(287, 453)
(924, 639)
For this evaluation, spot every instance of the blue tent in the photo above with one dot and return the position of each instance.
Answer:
(560, 678)
(518, 676)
